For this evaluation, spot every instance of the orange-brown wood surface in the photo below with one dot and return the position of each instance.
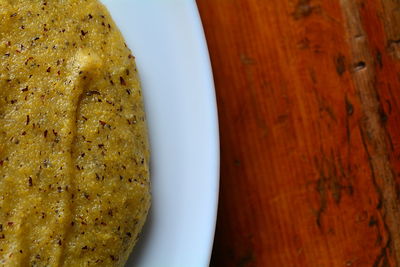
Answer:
(309, 107)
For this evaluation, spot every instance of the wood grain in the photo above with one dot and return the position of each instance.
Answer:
(308, 94)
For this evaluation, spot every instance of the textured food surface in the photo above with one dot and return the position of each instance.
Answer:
(74, 177)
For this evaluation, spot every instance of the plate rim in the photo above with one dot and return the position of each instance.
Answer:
(214, 120)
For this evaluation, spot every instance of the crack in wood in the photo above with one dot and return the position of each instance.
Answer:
(349, 112)
(332, 180)
(340, 64)
(382, 258)
(373, 132)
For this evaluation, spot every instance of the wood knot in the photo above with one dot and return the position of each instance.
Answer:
(359, 66)
(303, 9)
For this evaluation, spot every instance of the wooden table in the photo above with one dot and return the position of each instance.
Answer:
(309, 108)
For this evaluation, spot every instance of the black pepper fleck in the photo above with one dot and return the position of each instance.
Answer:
(122, 81)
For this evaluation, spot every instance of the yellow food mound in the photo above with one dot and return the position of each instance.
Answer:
(74, 175)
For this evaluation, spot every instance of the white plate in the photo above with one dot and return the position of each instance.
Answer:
(167, 39)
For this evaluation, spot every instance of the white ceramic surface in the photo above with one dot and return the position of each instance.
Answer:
(167, 38)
